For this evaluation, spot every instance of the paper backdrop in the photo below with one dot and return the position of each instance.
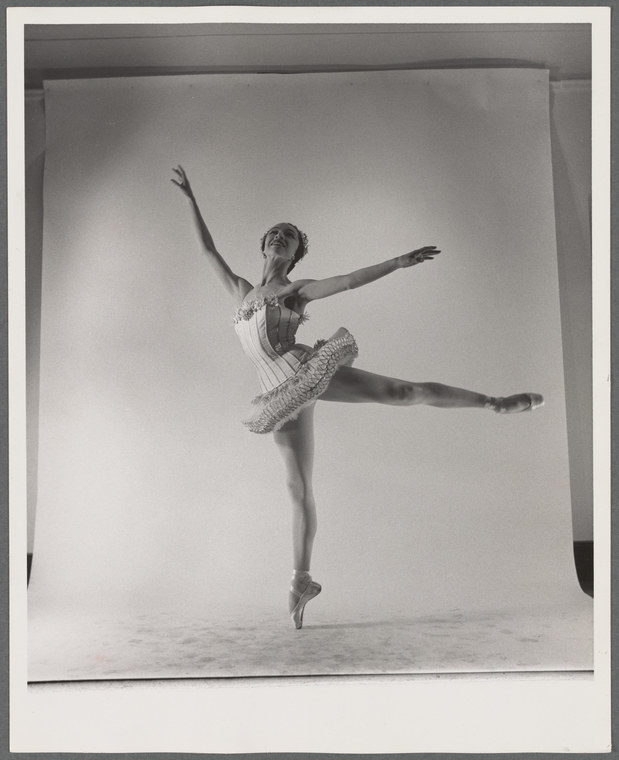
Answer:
(151, 494)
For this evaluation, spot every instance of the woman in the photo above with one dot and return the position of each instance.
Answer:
(293, 376)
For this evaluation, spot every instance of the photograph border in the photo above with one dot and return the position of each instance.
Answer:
(531, 693)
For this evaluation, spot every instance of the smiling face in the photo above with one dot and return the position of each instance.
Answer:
(286, 241)
(282, 240)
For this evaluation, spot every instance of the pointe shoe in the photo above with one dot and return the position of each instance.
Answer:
(498, 404)
(309, 592)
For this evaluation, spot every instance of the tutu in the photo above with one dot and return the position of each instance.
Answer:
(292, 375)
(284, 402)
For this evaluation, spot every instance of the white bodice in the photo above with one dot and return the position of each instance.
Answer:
(267, 330)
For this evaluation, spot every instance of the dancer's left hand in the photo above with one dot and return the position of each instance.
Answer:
(427, 253)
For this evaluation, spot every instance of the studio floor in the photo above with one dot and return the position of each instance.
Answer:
(264, 643)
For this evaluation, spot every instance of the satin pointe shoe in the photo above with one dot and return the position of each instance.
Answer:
(501, 405)
(302, 598)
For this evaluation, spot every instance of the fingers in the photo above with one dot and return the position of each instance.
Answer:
(181, 180)
(180, 173)
(427, 253)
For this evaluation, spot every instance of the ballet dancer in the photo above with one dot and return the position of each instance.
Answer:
(294, 376)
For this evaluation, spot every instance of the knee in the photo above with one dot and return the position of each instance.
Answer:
(300, 491)
(430, 393)
(400, 392)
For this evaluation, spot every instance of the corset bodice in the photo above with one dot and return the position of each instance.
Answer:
(267, 331)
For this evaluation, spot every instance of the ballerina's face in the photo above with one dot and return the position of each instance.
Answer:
(282, 240)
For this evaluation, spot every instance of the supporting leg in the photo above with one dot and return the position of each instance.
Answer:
(296, 443)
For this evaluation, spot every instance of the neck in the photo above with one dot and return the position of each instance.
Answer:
(274, 272)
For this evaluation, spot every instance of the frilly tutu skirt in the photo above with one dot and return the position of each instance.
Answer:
(278, 406)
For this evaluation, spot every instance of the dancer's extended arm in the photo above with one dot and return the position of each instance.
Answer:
(235, 285)
(311, 290)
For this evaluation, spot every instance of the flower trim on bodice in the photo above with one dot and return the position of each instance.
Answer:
(247, 310)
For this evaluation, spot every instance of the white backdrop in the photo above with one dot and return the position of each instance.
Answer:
(151, 492)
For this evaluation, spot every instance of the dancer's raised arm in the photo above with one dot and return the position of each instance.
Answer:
(311, 290)
(237, 286)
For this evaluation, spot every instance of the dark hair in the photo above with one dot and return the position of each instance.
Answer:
(301, 248)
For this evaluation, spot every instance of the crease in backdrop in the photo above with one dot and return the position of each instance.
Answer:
(151, 494)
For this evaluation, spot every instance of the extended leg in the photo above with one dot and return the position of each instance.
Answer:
(353, 385)
(356, 385)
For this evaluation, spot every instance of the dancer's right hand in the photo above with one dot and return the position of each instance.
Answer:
(182, 181)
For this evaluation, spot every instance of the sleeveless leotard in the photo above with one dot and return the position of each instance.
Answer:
(291, 375)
